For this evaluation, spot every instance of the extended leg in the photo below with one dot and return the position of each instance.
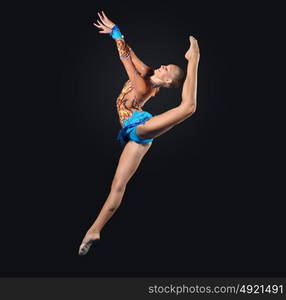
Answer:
(129, 162)
(167, 120)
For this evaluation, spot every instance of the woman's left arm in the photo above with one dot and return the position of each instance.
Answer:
(142, 68)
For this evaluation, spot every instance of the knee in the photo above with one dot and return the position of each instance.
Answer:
(118, 185)
(145, 133)
(190, 111)
(193, 110)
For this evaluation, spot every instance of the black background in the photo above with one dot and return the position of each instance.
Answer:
(208, 197)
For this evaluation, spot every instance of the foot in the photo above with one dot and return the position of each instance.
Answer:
(89, 239)
(194, 50)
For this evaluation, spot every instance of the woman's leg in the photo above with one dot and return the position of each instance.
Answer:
(167, 120)
(129, 162)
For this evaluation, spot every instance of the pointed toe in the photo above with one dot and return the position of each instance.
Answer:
(84, 247)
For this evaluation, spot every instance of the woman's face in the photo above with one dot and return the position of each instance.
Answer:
(166, 72)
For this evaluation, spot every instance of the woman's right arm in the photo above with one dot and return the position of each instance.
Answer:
(125, 53)
(140, 85)
(141, 68)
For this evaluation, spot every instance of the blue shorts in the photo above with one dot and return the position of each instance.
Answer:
(128, 130)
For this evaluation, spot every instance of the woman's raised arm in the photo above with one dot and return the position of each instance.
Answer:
(135, 69)
(142, 68)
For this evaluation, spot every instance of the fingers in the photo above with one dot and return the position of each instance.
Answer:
(96, 25)
(104, 15)
(103, 19)
(99, 25)
(102, 29)
(100, 17)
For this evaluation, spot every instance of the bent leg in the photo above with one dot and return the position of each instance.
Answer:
(129, 162)
(165, 121)
(159, 124)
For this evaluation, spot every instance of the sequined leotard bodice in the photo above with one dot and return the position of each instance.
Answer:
(125, 107)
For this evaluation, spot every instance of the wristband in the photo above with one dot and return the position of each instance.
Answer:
(115, 33)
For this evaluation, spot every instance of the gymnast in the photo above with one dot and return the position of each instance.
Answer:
(139, 127)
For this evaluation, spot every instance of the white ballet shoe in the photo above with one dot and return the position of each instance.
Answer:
(84, 247)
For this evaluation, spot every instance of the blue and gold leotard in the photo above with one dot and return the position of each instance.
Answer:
(129, 111)
(130, 116)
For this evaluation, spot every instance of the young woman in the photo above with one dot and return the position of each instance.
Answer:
(139, 127)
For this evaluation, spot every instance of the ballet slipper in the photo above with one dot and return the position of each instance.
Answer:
(84, 247)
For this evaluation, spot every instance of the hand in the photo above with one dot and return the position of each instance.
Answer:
(104, 29)
(106, 22)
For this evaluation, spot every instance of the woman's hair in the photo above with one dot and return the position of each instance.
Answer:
(178, 78)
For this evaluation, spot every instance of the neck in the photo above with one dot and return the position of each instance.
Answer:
(155, 82)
